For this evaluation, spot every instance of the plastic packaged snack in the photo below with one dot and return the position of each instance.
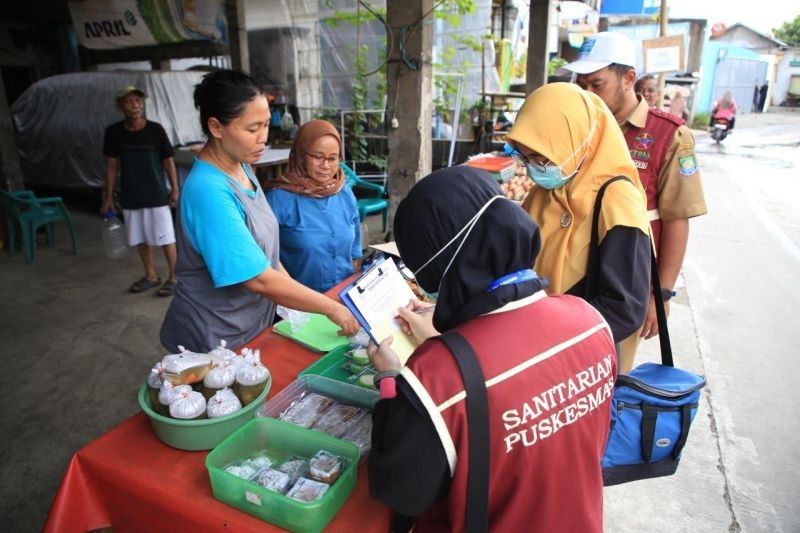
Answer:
(251, 378)
(361, 338)
(221, 353)
(366, 380)
(244, 471)
(188, 406)
(186, 367)
(272, 479)
(259, 461)
(296, 467)
(336, 420)
(220, 376)
(169, 393)
(325, 467)
(360, 434)
(155, 379)
(223, 403)
(305, 410)
(308, 490)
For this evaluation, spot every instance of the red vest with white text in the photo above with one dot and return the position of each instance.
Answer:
(550, 368)
(648, 147)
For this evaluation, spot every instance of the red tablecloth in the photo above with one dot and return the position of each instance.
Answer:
(129, 480)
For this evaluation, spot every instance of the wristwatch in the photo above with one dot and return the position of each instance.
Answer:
(385, 374)
(667, 294)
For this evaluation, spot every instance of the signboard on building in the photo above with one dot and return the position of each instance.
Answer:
(629, 7)
(664, 54)
(110, 24)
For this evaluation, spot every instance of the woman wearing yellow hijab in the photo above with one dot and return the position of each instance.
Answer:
(571, 145)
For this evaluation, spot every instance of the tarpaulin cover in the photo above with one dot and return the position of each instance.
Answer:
(60, 121)
(128, 480)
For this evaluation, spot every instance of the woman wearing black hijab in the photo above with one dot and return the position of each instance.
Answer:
(548, 363)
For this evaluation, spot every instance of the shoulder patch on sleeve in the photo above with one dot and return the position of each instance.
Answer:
(687, 164)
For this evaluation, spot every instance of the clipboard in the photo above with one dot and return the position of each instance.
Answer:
(374, 298)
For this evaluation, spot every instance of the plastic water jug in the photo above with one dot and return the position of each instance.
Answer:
(113, 233)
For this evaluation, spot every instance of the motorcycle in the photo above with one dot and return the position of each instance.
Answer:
(720, 129)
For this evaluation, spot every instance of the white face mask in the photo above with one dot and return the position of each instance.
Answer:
(468, 228)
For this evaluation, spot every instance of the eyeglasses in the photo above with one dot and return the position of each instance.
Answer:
(319, 159)
(524, 160)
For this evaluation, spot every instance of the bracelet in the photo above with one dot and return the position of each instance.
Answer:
(385, 374)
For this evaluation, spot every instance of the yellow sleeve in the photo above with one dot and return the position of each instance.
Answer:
(680, 189)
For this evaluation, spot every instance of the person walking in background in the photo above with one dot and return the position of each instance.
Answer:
(647, 86)
(138, 152)
(662, 149)
(677, 105)
(316, 210)
(762, 96)
(756, 96)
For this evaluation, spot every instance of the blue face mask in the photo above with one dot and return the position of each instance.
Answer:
(431, 295)
(549, 176)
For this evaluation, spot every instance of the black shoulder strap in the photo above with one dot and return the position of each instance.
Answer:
(477, 402)
(592, 272)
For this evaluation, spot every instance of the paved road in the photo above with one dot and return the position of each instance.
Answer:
(736, 323)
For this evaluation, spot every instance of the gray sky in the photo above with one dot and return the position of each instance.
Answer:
(763, 15)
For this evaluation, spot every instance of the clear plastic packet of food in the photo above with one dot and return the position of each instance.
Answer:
(251, 378)
(186, 368)
(361, 338)
(241, 470)
(260, 461)
(155, 380)
(169, 393)
(221, 375)
(360, 434)
(296, 319)
(308, 490)
(337, 419)
(295, 466)
(221, 353)
(306, 409)
(325, 467)
(223, 403)
(188, 406)
(273, 480)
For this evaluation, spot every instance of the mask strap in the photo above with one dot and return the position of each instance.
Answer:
(467, 227)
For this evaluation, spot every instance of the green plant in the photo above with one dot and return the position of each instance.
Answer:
(700, 121)
(789, 31)
(554, 64)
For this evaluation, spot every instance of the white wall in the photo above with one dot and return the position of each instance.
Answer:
(783, 75)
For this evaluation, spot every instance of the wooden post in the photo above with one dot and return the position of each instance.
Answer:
(662, 78)
(9, 156)
(538, 41)
(237, 35)
(410, 97)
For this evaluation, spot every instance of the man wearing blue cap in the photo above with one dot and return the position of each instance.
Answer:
(662, 149)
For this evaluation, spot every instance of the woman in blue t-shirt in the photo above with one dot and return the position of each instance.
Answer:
(229, 273)
(316, 210)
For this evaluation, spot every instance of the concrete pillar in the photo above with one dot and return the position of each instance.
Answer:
(237, 35)
(10, 169)
(410, 95)
(697, 30)
(538, 33)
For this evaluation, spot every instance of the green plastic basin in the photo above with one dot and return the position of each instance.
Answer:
(198, 434)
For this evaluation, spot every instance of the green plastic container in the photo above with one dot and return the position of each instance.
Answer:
(319, 334)
(331, 366)
(198, 434)
(337, 390)
(278, 439)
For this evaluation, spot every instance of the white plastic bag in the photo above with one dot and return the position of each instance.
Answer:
(223, 403)
(296, 319)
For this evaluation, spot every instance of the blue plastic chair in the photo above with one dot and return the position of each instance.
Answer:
(368, 206)
(27, 213)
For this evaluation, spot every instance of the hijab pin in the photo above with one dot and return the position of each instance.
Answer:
(566, 219)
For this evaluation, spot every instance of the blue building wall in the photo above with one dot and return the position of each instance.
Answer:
(712, 53)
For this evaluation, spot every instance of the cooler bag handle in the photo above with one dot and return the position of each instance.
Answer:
(590, 287)
(477, 403)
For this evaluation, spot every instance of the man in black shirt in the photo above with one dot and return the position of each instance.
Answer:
(139, 152)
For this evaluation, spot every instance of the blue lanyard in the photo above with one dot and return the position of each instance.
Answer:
(520, 276)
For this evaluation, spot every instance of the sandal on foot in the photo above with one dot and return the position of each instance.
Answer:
(144, 284)
(167, 289)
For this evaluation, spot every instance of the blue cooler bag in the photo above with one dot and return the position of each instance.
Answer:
(651, 412)
(653, 406)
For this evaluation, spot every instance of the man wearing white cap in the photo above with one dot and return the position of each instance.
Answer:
(662, 148)
(138, 151)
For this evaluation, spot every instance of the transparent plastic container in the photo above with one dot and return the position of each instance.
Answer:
(113, 233)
